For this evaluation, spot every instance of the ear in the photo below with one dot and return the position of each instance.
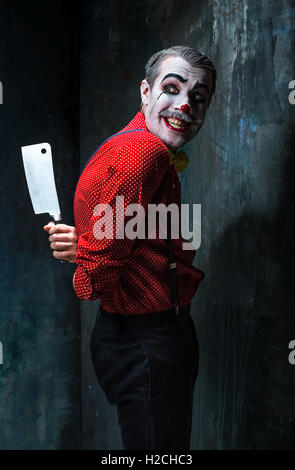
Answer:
(144, 92)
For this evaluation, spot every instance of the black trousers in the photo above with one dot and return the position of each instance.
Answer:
(147, 366)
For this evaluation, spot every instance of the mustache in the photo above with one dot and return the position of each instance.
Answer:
(184, 117)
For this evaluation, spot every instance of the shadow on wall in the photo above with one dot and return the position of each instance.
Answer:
(245, 389)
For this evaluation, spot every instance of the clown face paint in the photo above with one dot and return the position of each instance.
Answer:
(176, 106)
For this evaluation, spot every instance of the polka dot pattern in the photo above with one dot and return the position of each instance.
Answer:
(129, 276)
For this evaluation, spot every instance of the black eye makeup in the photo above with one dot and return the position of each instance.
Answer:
(198, 98)
(171, 88)
(195, 97)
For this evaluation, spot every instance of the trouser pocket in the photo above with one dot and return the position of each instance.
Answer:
(119, 364)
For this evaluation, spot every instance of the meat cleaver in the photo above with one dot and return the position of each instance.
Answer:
(37, 160)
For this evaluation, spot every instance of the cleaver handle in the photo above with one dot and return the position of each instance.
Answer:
(56, 223)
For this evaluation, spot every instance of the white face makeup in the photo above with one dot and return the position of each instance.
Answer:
(176, 106)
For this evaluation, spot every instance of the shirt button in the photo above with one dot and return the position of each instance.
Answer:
(173, 185)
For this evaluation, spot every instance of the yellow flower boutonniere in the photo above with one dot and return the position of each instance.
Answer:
(179, 159)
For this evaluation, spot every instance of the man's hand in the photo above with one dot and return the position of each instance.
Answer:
(63, 241)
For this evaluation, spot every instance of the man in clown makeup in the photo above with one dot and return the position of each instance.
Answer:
(144, 346)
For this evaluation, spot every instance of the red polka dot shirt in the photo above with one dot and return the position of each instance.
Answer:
(130, 276)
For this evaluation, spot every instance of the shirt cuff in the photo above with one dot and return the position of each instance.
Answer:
(82, 285)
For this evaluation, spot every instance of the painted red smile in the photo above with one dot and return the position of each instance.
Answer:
(176, 124)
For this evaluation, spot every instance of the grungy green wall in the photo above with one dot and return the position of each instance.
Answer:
(240, 172)
(39, 314)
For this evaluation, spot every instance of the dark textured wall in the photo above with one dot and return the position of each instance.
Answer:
(240, 172)
(242, 176)
(39, 315)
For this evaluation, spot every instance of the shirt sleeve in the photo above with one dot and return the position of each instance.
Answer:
(139, 170)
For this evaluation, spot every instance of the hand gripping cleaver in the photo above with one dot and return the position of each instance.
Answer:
(37, 160)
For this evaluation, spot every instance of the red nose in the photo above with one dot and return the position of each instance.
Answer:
(184, 108)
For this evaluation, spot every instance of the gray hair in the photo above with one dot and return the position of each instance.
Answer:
(191, 55)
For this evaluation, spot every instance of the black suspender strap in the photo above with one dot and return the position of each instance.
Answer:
(172, 266)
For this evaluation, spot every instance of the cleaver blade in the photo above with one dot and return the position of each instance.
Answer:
(37, 160)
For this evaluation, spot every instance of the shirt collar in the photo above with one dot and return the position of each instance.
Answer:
(138, 122)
